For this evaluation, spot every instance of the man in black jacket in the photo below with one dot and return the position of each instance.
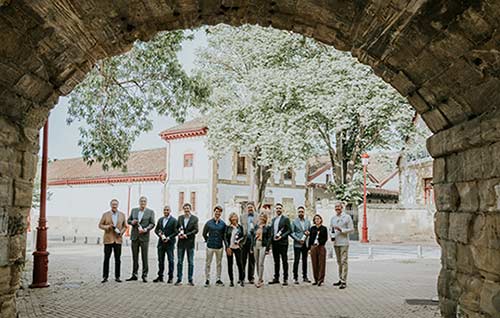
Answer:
(280, 229)
(166, 230)
(188, 228)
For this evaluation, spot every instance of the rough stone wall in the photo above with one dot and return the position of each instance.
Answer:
(18, 156)
(467, 179)
(441, 54)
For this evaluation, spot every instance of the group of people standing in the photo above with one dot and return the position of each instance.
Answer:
(245, 240)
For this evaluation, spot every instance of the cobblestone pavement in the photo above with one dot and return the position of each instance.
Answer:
(376, 288)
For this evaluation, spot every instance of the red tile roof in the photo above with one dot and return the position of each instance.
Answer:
(145, 165)
(192, 128)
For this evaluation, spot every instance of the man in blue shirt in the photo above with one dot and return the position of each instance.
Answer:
(213, 233)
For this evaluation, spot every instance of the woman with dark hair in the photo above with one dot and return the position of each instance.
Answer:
(317, 240)
(234, 239)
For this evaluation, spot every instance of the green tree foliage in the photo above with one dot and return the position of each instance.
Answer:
(115, 103)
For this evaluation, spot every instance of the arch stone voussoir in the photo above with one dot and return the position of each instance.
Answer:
(443, 55)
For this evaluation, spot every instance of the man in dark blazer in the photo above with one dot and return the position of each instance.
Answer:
(142, 221)
(280, 229)
(188, 228)
(166, 230)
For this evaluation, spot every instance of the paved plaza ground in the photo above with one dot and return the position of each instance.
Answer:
(377, 288)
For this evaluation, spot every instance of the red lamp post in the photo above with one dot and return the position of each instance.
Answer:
(41, 256)
(364, 235)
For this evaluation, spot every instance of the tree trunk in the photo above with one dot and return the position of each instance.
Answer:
(261, 176)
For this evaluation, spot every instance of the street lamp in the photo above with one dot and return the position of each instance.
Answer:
(40, 255)
(364, 235)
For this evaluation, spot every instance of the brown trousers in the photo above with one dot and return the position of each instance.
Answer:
(318, 260)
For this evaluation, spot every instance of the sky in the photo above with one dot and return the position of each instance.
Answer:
(63, 139)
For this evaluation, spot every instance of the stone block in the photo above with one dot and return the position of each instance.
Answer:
(23, 193)
(490, 298)
(490, 155)
(486, 261)
(439, 170)
(403, 84)
(447, 284)
(33, 87)
(8, 132)
(435, 120)
(418, 102)
(5, 191)
(459, 227)
(17, 248)
(447, 197)
(469, 196)
(489, 195)
(441, 225)
(29, 166)
(4, 251)
(471, 286)
(472, 164)
(455, 170)
(448, 254)
(5, 279)
(486, 231)
(465, 261)
(490, 129)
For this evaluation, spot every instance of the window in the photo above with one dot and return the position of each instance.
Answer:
(181, 200)
(193, 200)
(288, 175)
(428, 191)
(241, 165)
(188, 160)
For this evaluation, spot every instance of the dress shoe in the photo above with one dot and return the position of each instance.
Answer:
(315, 283)
(306, 280)
(118, 280)
(242, 284)
(190, 283)
(231, 284)
(178, 283)
(131, 278)
(274, 281)
(207, 283)
(144, 280)
(219, 283)
(337, 283)
(169, 281)
(285, 283)
(105, 280)
(296, 282)
(158, 280)
(343, 286)
(251, 281)
(320, 284)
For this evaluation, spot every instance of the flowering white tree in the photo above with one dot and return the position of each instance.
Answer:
(280, 98)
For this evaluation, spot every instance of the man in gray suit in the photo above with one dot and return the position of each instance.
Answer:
(300, 234)
(142, 221)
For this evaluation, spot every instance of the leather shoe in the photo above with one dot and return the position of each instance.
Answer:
(105, 280)
(144, 280)
(131, 278)
(274, 281)
(337, 283)
(118, 280)
(158, 280)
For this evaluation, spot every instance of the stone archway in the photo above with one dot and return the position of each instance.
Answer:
(442, 54)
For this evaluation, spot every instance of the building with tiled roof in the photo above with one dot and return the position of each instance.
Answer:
(142, 166)
(80, 190)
